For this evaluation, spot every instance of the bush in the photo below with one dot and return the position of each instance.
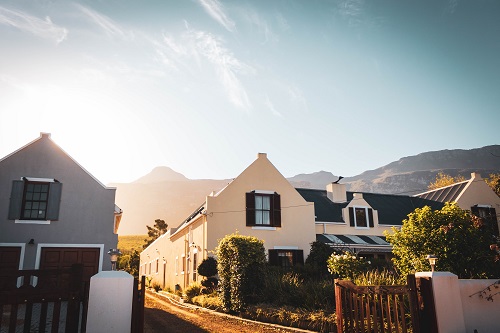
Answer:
(209, 285)
(208, 301)
(194, 289)
(347, 265)
(241, 260)
(317, 259)
(208, 267)
(156, 287)
(377, 278)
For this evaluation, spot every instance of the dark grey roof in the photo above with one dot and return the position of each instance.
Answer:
(392, 209)
(445, 194)
(356, 243)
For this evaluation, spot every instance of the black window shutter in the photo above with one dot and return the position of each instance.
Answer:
(54, 201)
(250, 203)
(370, 217)
(475, 210)
(298, 257)
(276, 222)
(273, 258)
(16, 200)
(492, 216)
(351, 216)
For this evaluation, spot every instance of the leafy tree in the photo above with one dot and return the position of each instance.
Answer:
(347, 265)
(158, 229)
(443, 180)
(320, 252)
(241, 262)
(130, 263)
(460, 240)
(494, 182)
(208, 267)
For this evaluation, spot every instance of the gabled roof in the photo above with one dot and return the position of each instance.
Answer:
(445, 194)
(392, 209)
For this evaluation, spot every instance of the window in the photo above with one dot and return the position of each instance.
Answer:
(489, 215)
(195, 263)
(263, 209)
(286, 258)
(183, 259)
(361, 217)
(35, 199)
(157, 265)
(176, 265)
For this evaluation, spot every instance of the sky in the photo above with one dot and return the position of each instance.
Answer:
(202, 86)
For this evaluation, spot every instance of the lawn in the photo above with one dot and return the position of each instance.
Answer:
(128, 243)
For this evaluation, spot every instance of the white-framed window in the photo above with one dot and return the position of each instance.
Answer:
(361, 217)
(157, 265)
(177, 265)
(183, 263)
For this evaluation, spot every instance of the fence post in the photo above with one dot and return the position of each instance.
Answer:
(338, 306)
(413, 298)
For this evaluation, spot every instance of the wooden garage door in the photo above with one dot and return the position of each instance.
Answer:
(64, 257)
(10, 257)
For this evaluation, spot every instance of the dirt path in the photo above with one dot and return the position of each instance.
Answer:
(163, 316)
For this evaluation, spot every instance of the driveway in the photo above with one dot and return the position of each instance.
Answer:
(164, 316)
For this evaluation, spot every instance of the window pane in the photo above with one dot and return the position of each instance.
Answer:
(266, 203)
(36, 196)
(29, 196)
(43, 196)
(27, 205)
(258, 202)
(265, 217)
(361, 217)
(42, 205)
(258, 217)
(30, 188)
(34, 214)
(37, 188)
(44, 189)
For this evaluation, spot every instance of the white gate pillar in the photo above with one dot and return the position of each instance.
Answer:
(110, 302)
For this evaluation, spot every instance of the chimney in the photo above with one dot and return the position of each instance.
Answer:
(336, 192)
(259, 155)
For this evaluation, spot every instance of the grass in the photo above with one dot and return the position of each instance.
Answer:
(128, 243)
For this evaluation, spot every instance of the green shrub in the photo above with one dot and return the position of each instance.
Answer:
(241, 260)
(208, 301)
(156, 287)
(376, 278)
(208, 267)
(194, 289)
(347, 265)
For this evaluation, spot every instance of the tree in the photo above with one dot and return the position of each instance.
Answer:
(208, 267)
(320, 252)
(130, 263)
(158, 229)
(460, 240)
(443, 180)
(494, 182)
(241, 261)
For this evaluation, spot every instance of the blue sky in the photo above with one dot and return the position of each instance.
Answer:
(202, 86)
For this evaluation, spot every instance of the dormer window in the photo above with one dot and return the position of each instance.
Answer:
(361, 217)
(263, 209)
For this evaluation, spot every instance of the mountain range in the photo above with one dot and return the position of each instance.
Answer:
(168, 195)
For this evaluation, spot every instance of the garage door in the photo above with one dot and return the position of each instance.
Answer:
(64, 257)
(10, 257)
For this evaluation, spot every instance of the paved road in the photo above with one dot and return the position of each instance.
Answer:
(163, 316)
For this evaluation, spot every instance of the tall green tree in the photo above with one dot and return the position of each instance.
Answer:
(460, 240)
(443, 180)
(158, 229)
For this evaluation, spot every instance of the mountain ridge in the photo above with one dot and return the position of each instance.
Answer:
(166, 194)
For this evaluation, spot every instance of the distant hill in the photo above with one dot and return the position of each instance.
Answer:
(168, 195)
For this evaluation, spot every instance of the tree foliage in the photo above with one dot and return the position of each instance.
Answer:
(130, 263)
(241, 261)
(493, 181)
(320, 252)
(208, 267)
(158, 229)
(443, 180)
(460, 240)
(347, 265)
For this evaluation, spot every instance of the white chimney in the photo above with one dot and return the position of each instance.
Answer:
(336, 192)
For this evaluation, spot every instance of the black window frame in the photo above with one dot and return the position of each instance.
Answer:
(19, 199)
(368, 217)
(35, 197)
(252, 211)
(276, 257)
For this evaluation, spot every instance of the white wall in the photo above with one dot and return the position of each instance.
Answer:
(479, 313)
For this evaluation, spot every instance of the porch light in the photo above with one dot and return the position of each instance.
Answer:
(113, 254)
(432, 260)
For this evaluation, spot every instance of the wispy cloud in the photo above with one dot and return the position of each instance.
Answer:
(216, 10)
(38, 27)
(282, 22)
(227, 66)
(111, 28)
(297, 97)
(270, 106)
(262, 26)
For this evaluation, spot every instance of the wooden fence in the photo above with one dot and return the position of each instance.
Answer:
(137, 325)
(43, 300)
(374, 309)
